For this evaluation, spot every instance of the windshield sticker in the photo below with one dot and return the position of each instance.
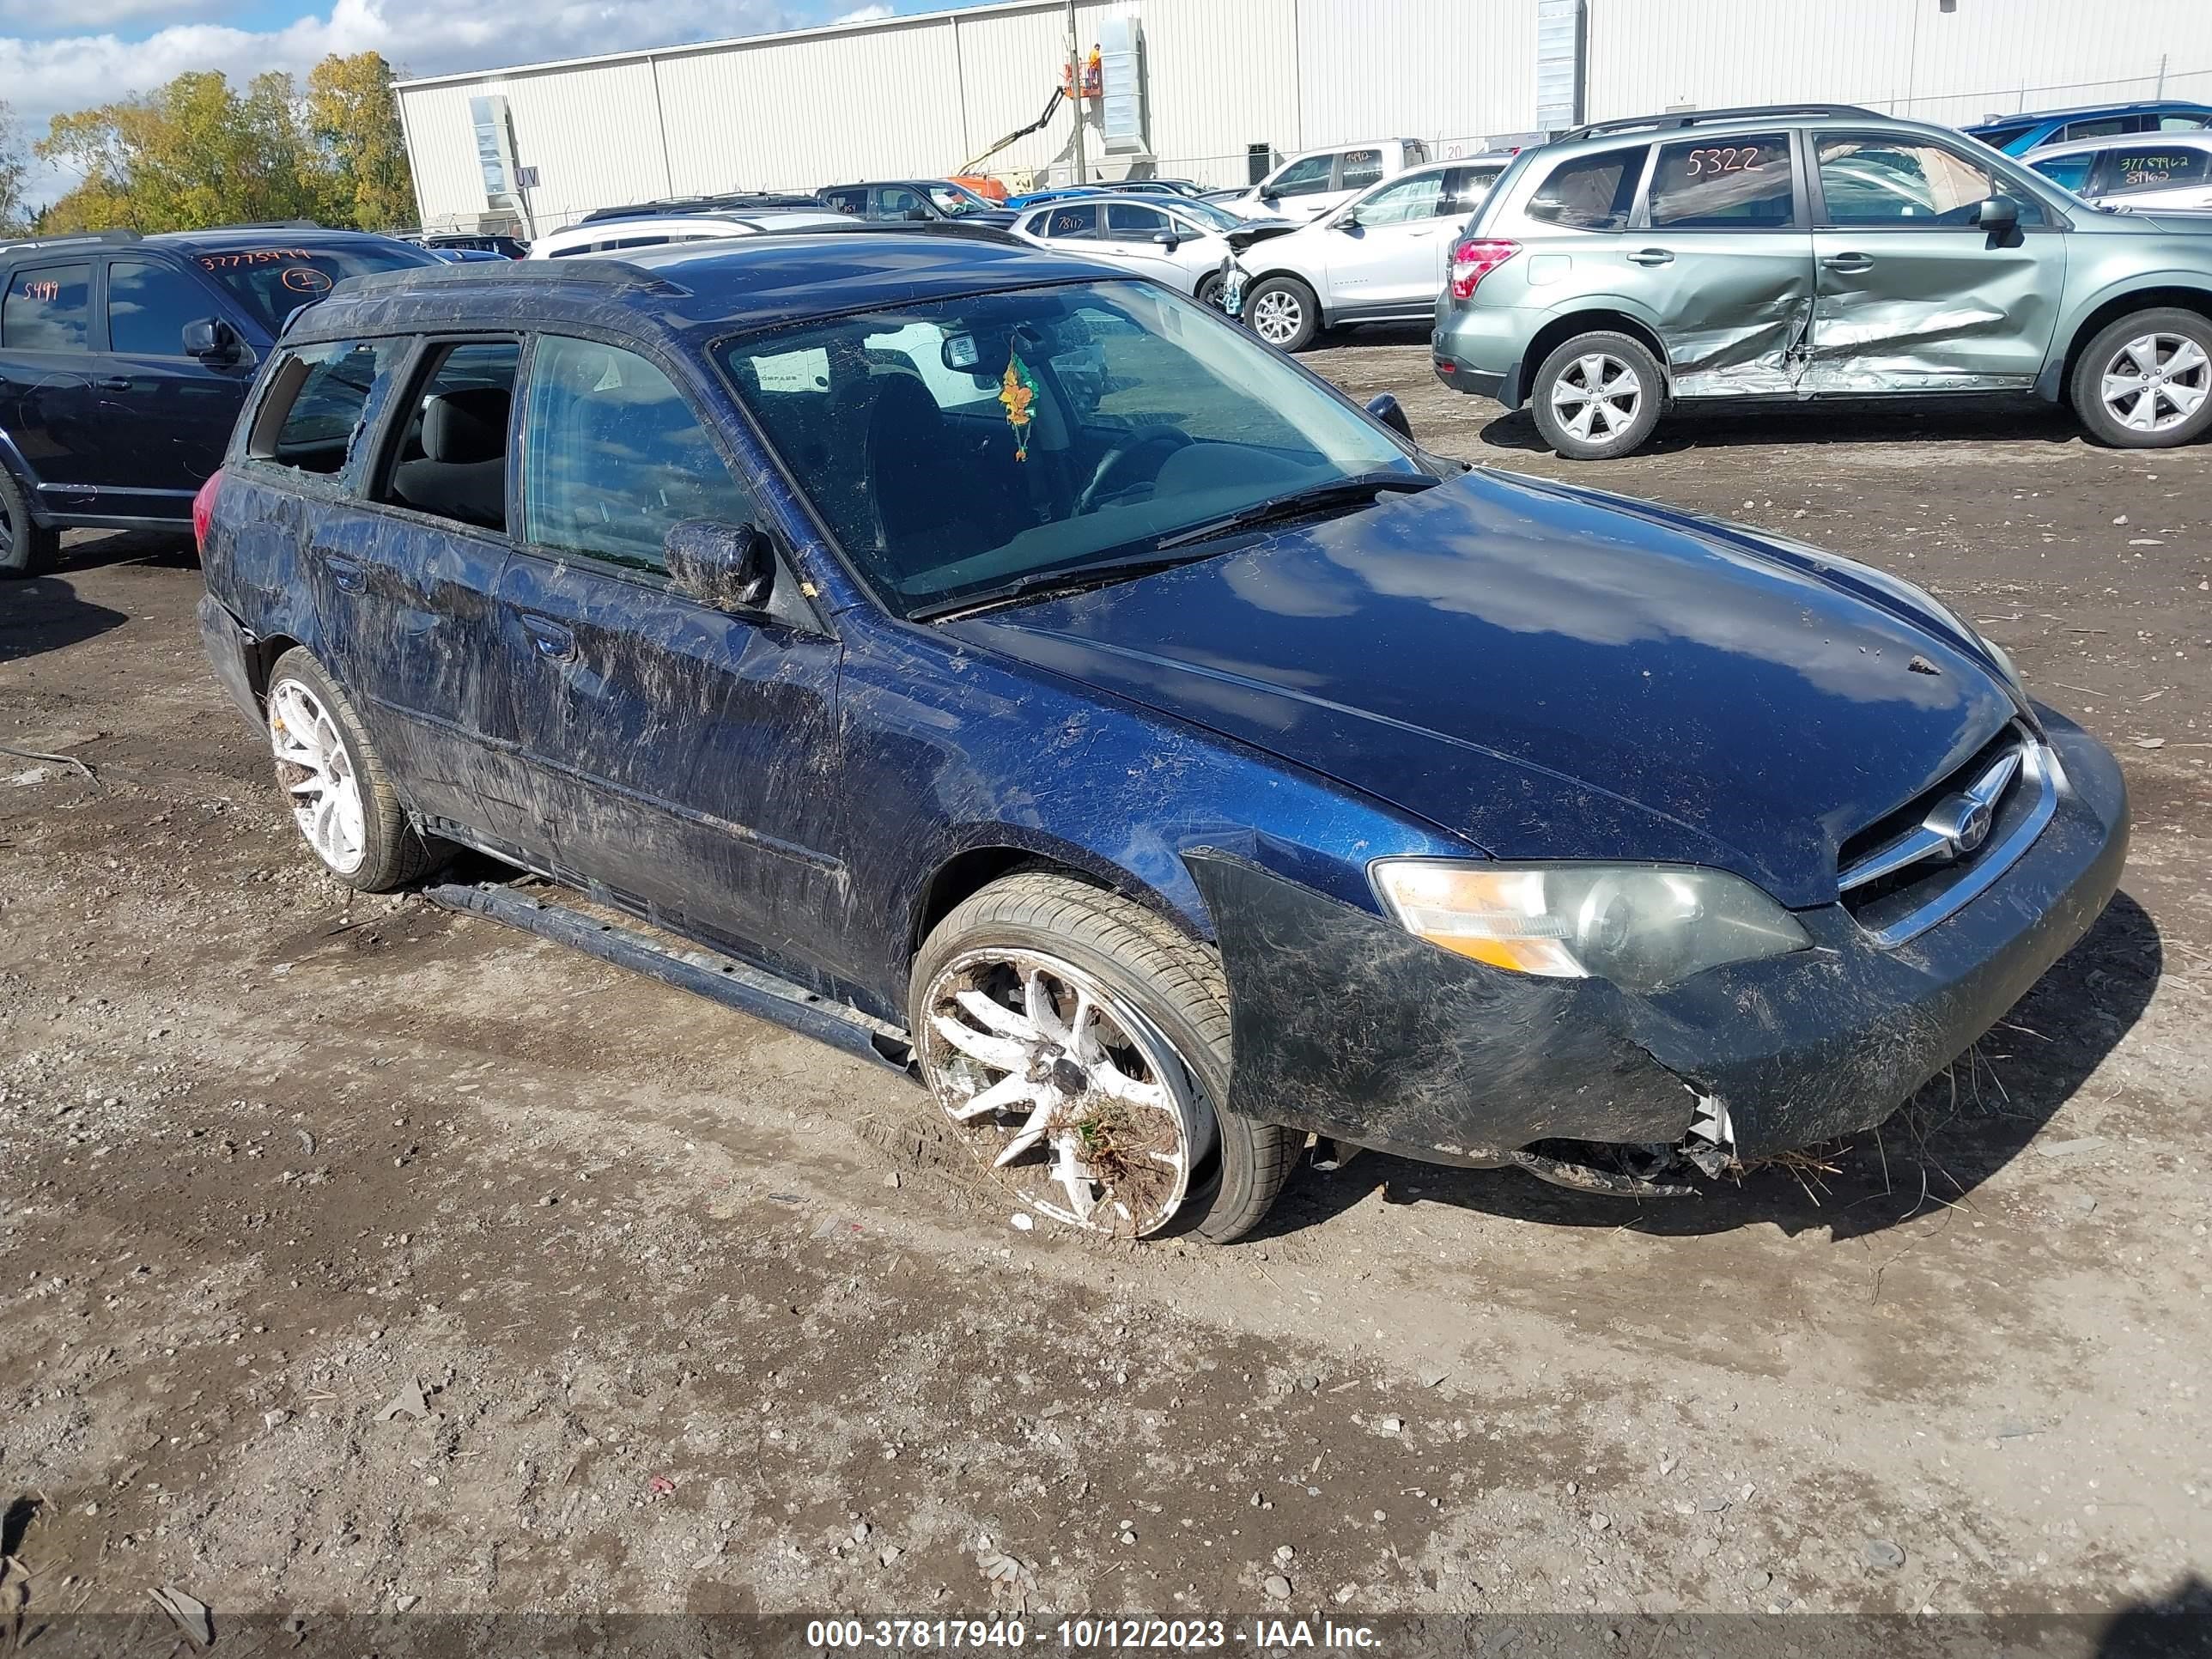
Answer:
(1018, 391)
(255, 256)
(306, 279)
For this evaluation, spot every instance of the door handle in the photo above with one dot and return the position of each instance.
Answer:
(1848, 262)
(346, 573)
(1651, 255)
(114, 383)
(553, 641)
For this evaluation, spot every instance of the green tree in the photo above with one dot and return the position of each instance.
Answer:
(354, 118)
(196, 152)
(15, 172)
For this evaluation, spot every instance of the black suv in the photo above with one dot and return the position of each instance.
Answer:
(123, 361)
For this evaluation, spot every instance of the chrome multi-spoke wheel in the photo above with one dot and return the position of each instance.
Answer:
(1598, 396)
(1277, 317)
(317, 773)
(2156, 382)
(1081, 1106)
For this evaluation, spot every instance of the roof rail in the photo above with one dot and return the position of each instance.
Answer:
(612, 273)
(1696, 117)
(265, 224)
(901, 227)
(67, 239)
(678, 207)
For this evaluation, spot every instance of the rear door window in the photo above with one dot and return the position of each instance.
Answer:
(1471, 185)
(1737, 183)
(2133, 168)
(48, 308)
(1590, 193)
(147, 307)
(451, 455)
(847, 201)
(1359, 169)
(1076, 223)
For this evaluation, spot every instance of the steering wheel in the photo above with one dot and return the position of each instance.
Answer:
(1107, 481)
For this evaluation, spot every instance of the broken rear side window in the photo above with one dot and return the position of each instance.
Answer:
(318, 399)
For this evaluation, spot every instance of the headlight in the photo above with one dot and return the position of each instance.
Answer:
(1644, 926)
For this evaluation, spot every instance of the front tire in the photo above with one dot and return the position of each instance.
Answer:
(341, 798)
(2145, 382)
(1598, 395)
(1080, 1045)
(1284, 311)
(25, 549)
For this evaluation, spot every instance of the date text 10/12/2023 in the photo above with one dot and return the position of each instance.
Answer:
(1087, 1635)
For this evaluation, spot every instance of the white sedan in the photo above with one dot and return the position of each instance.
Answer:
(2143, 172)
(1172, 240)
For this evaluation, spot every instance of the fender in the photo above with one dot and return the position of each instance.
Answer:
(2051, 383)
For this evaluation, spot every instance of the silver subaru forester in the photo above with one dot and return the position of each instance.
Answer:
(1816, 251)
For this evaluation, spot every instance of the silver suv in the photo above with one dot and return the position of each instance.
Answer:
(1808, 251)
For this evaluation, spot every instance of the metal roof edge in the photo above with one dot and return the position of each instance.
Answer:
(680, 49)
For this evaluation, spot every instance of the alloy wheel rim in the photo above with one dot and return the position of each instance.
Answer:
(1276, 317)
(318, 773)
(1597, 397)
(1077, 1104)
(2156, 382)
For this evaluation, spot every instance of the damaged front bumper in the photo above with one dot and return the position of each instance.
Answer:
(1350, 1028)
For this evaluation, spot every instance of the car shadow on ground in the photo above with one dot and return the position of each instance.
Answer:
(1935, 421)
(1964, 1125)
(91, 550)
(44, 613)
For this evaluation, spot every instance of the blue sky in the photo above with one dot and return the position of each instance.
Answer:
(56, 57)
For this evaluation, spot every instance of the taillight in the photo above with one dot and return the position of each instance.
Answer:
(1474, 259)
(204, 509)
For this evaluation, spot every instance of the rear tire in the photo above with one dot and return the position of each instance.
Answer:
(2145, 382)
(1284, 311)
(1165, 1022)
(334, 783)
(25, 549)
(1598, 395)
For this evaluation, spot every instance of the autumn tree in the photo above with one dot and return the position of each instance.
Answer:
(196, 152)
(354, 117)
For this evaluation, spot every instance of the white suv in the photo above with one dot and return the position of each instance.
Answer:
(1380, 258)
(610, 235)
(1311, 183)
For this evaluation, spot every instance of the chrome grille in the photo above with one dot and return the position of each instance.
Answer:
(1972, 830)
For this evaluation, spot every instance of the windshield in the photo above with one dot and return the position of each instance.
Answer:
(1205, 213)
(272, 283)
(955, 447)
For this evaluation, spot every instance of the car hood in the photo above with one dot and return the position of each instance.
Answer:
(1551, 673)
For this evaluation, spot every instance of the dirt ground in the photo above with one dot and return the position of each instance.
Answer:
(697, 1328)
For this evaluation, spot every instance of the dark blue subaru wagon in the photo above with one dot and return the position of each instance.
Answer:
(1014, 671)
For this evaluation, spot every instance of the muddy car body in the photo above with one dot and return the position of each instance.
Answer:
(1496, 821)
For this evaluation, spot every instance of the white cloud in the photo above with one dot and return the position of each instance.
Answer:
(45, 77)
(863, 15)
(98, 13)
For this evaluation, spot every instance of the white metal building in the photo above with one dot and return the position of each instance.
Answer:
(1206, 81)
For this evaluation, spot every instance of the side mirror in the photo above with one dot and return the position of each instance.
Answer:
(1387, 410)
(1269, 193)
(917, 215)
(1348, 221)
(211, 340)
(1168, 240)
(1998, 214)
(731, 567)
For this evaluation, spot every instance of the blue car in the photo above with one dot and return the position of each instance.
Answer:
(2016, 135)
(1022, 677)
